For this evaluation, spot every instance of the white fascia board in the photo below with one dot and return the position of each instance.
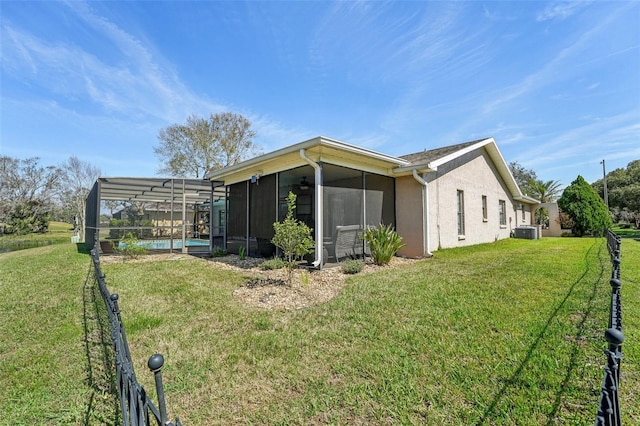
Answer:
(504, 171)
(526, 199)
(320, 141)
(434, 164)
(219, 174)
(362, 151)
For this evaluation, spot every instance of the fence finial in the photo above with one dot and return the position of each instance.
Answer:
(155, 364)
(614, 336)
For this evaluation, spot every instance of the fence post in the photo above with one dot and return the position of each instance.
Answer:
(155, 364)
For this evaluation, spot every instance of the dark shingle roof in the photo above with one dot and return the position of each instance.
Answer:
(427, 156)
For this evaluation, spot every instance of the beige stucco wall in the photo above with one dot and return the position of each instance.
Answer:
(474, 174)
(409, 217)
(554, 229)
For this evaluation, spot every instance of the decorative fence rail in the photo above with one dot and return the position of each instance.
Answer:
(135, 406)
(609, 408)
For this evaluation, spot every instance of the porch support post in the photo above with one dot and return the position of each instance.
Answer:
(184, 218)
(426, 246)
(319, 208)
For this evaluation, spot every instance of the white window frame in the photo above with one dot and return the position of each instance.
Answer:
(461, 227)
(502, 209)
(485, 215)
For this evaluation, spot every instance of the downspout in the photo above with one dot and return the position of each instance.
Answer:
(425, 218)
(317, 263)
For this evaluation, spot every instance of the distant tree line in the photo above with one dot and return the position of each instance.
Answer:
(582, 206)
(31, 195)
(623, 190)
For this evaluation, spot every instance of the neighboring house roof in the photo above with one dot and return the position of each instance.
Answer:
(341, 153)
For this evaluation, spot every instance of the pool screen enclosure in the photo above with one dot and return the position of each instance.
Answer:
(187, 215)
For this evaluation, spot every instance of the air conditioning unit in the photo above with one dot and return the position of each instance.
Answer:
(526, 232)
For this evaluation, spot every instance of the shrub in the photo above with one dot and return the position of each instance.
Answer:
(242, 252)
(588, 211)
(132, 247)
(293, 237)
(272, 264)
(352, 266)
(218, 252)
(384, 242)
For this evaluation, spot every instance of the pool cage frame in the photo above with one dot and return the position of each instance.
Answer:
(177, 212)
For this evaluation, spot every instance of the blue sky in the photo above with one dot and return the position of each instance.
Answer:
(557, 84)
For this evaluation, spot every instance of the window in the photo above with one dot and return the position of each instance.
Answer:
(460, 212)
(522, 211)
(484, 208)
(503, 212)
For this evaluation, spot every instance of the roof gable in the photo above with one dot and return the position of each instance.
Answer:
(344, 154)
(430, 160)
(320, 149)
(430, 155)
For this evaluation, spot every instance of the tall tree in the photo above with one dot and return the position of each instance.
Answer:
(26, 194)
(545, 191)
(200, 145)
(77, 179)
(587, 210)
(522, 176)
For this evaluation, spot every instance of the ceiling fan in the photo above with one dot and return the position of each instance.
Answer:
(304, 185)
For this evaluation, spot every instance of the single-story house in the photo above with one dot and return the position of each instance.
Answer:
(438, 198)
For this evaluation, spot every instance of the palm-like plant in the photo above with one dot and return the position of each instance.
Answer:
(384, 242)
(545, 191)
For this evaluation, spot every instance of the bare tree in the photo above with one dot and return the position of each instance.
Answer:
(77, 179)
(200, 145)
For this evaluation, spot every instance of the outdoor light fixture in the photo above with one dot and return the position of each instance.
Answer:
(256, 177)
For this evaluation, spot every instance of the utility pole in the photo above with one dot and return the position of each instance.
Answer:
(604, 181)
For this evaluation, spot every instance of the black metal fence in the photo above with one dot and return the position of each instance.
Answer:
(135, 406)
(609, 408)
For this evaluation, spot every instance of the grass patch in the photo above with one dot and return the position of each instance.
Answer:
(503, 333)
(626, 232)
(59, 232)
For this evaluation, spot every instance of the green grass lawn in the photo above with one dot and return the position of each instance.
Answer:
(58, 232)
(505, 333)
(627, 232)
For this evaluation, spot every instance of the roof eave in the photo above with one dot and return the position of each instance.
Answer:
(526, 199)
(319, 141)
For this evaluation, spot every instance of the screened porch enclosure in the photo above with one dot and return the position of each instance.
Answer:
(352, 200)
(186, 215)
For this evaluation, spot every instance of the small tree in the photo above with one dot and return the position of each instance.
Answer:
(587, 210)
(132, 247)
(293, 237)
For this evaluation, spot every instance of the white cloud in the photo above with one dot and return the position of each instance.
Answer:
(128, 81)
(561, 10)
(615, 135)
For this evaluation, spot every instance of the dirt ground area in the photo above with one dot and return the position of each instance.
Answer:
(269, 289)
